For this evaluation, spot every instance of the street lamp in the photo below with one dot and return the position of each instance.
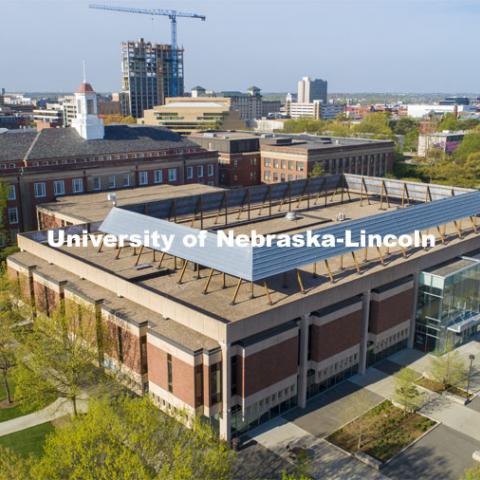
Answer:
(471, 357)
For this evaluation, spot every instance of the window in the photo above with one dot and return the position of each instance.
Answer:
(172, 174)
(200, 171)
(126, 181)
(59, 187)
(198, 385)
(158, 176)
(216, 383)
(40, 189)
(211, 170)
(143, 178)
(189, 173)
(77, 185)
(12, 192)
(300, 166)
(97, 183)
(12, 216)
(170, 373)
(143, 353)
(234, 381)
(267, 162)
(112, 181)
(275, 163)
(120, 344)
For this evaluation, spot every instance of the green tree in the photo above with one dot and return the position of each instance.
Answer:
(130, 438)
(12, 313)
(58, 356)
(469, 145)
(13, 466)
(449, 369)
(406, 391)
(449, 122)
(112, 119)
(472, 473)
(376, 124)
(317, 170)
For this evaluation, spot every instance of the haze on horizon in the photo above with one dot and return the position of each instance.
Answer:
(357, 45)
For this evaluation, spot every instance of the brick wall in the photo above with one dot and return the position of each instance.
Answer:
(335, 336)
(387, 313)
(269, 366)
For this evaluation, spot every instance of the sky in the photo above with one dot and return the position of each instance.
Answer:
(357, 45)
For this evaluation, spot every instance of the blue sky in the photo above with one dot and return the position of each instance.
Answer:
(357, 45)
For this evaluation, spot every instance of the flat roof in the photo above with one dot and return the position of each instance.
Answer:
(94, 207)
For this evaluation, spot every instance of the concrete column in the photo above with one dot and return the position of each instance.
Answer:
(362, 364)
(225, 420)
(413, 317)
(303, 355)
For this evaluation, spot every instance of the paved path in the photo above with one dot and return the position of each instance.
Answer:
(326, 461)
(59, 408)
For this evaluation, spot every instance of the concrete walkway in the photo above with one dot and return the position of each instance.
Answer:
(326, 461)
(59, 408)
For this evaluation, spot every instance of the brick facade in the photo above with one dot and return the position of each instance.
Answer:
(391, 311)
(335, 336)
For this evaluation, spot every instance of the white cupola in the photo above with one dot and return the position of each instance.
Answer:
(87, 123)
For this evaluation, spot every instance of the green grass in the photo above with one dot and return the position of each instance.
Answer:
(28, 441)
(6, 412)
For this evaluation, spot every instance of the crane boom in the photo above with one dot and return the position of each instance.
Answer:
(171, 14)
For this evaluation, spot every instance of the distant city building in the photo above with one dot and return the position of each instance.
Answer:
(423, 110)
(186, 115)
(270, 107)
(148, 76)
(447, 142)
(292, 157)
(310, 90)
(40, 166)
(239, 156)
(248, 105)
(198, 92)
(455, 101)
(49, 117)
(315, 110)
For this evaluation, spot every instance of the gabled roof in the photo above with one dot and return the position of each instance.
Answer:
(85, 88)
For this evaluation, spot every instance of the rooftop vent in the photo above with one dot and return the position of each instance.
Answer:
(112, 197)
(291, 216)
(340, 217)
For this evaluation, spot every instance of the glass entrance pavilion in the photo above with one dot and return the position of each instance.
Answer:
(448, 309)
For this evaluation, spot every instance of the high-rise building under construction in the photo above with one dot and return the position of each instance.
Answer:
(150, 73)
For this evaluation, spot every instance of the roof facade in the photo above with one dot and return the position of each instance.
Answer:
(66, 142)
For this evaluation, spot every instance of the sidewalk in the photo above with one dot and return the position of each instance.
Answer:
(59, 408)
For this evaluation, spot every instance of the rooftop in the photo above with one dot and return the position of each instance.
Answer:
(94, 207)
(211, 291)
(66, 142)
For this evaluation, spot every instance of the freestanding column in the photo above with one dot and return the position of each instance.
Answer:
(362, 364)
(413, 317)
(303, 367)
(225, 420)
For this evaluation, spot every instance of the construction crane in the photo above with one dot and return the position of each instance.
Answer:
(172, 15)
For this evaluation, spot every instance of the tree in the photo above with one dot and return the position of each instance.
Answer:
(449, 369)
(317, 170)
(130, 438)
(449, 122)
(13, 466)
(469, 145)
(406, 391)
(375, 124)
(58, 357)
(472, 473)
(112, 119)
(11, 315)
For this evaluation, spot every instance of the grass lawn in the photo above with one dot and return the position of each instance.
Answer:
(28, 441)
(382, 432)
(8, 412)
